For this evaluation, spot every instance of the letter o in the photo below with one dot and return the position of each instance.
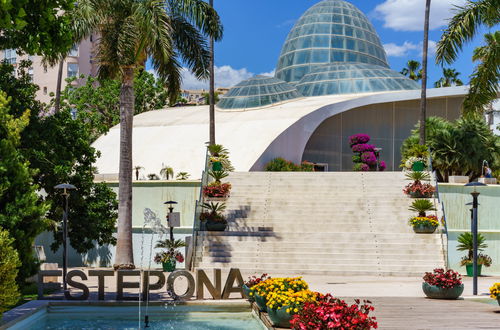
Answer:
(191, 285)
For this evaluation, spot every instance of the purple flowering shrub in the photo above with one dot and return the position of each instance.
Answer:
(365, 158)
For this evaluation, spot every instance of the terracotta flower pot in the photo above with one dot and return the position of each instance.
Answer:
(280, 317)
(436, 292)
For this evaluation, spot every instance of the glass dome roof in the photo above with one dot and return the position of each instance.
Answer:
(257, 92)
(330, 31)
(350, 78)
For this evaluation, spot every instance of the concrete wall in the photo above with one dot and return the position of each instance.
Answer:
(146, 194)
(455, 197)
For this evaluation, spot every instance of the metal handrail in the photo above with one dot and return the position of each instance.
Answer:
(197, 211)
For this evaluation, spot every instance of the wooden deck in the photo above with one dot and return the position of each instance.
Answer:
(430, 314)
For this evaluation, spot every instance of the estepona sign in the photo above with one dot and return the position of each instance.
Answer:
(202, 281)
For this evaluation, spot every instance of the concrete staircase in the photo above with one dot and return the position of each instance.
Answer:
(336, 223)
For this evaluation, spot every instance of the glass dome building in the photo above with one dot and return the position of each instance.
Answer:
(258, 91)
(352, 78)
(330, 31)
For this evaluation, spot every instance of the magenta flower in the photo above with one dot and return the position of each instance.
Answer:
(369, 158)
(359, 139)
(363, 147)
(382, 166)
(365, 167)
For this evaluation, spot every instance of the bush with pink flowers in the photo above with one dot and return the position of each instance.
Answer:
(366, 156)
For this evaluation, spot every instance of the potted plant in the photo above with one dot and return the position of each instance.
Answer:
(216, 191)
(219, 158)
(215, 220)
(328, 312)
(442, 284)
(416, 158)
(169, 258)
(424, 225)
(272, 286)
(417, 189)
(253, 280)
(284, 304)
(495, 292)
(421, 206)
(466, 243)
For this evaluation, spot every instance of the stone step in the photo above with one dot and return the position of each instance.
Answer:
(389, 256)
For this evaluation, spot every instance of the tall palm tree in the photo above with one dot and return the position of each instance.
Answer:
(167, 172)
(423, 100)
(211, 97)
(462, 28)
(449, 78)
(412, 70)
(129, 32)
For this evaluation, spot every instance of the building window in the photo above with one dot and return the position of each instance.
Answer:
(74, 51)
(10, 56)
(45, 91)
(72, 70)
(31, 73)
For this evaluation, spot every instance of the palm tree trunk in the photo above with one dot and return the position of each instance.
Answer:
(212, 89)
(124, 258)
(57, 104)
(423, 101)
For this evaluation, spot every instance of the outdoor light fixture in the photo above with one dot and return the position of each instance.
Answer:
(474, 226)
(65, 187)
(170, 216)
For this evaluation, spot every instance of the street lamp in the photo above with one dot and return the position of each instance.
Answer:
(65, 187)
(474, 226)
(171, 210)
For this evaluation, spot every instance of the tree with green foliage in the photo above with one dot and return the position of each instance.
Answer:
(21, 211)
(206, 97)
(468, 21)
(132, 31)
(9, 263)
(98, 101)
(412, 70)
(449, 79)
(459, 147)
(59, 150)
(36, 27)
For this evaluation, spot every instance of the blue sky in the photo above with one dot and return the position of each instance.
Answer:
(255, 31)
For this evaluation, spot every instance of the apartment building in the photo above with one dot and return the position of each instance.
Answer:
(79, 61)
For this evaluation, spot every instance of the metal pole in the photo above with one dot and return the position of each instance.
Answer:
(65, 241)
(474, 194)
(171, 209)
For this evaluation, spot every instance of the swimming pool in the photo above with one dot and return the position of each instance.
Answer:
(104, 316)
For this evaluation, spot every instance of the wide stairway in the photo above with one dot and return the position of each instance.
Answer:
(336, 223)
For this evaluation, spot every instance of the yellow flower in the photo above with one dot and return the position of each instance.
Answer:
(295, 310)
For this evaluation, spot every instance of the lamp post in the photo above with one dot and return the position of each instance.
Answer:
(474, 226)
(65, 187)
(171, 210)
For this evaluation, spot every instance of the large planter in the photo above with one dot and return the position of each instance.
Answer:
(280, 317)
(436, 292)
(216, 226)
(246, 292)
(418, 166)
(470, 269)
(424, 229)
(169, 266)
(216, 166)
(260, 301)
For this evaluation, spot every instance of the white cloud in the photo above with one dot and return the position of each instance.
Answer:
(408, 48)
(269, 74)
(408, 15)
(225, 76)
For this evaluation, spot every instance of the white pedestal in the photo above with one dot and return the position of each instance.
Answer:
(458, 179)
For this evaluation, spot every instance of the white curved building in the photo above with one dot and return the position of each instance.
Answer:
(332, 81)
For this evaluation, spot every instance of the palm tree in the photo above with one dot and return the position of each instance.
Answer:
(450, 78)
(182, 176)
(423, 100)
(129, 32)
(211, 96)
(462, 28)
(412, 70)
(167, 172)
(137, 169)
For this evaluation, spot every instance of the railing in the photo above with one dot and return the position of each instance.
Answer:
(440, 206)
(191, 253)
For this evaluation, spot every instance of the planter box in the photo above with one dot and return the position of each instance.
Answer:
(423, 229)
(488, 180)
(458, 179)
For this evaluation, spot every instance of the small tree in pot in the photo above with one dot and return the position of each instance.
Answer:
(466, 243)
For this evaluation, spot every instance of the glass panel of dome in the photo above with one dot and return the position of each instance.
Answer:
(338, 56)
(351, 57)
(264, 100)
(302, 57)
(317, 89)
(336, 18)
(349, 31)
(304, 42)
(345, 87)
(321, 41)
(376, 85)
(332, 88)
(322, 28)
(324, 18)
(337, 29)
(342, 74)
(338, 42)
(350, 44)
(320, 56)
(371, 49)
(347, 20)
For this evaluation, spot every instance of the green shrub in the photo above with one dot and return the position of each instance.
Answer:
(281, 165)
(9, 262)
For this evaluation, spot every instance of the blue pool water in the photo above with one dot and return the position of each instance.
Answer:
(210, 317)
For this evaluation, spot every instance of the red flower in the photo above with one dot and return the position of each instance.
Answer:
(440, 278)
